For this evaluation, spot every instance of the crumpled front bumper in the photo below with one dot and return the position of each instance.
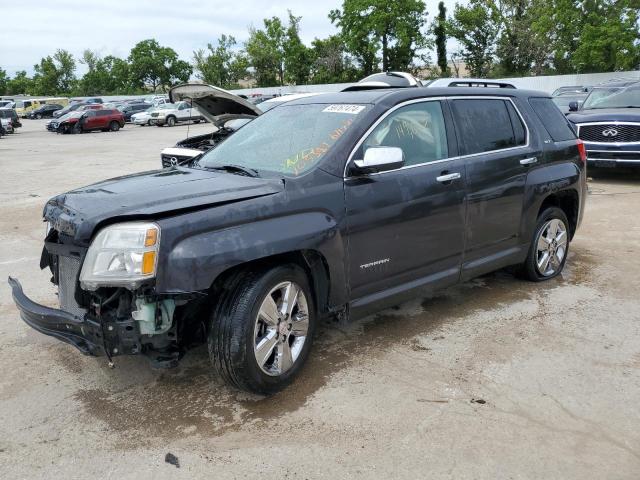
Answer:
(83, 333)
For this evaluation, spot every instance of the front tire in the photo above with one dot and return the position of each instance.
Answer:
(171, 121)
(549, 246)
(262, 328)
(114, 126)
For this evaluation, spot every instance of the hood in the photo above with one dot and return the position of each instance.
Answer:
(215, 104)
(605, 115)
(150, 195)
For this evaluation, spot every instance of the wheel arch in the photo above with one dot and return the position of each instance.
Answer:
(312, 262)
(566, 200)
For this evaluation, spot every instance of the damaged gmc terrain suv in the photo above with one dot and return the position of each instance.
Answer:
(332, 205)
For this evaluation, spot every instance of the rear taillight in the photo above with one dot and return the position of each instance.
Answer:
(582, 151)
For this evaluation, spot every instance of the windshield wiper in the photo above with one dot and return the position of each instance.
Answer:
(236, 169)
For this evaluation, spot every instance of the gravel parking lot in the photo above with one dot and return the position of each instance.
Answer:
(497, 378)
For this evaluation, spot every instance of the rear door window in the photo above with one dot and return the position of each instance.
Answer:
(485, 125)
(552, 118)
(418, 129)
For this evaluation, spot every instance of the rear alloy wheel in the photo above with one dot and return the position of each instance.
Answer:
(38, 116)
(114, 126)
(549, 248)
(171, 121)
(262, 328)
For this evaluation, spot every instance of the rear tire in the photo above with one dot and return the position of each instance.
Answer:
(549, 246)
(262, 328)
(114, 126)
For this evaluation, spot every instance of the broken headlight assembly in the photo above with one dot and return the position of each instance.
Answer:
(121, 255)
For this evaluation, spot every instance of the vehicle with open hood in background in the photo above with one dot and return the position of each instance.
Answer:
(224, 110)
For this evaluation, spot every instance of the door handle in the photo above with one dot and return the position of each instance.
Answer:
(528, 161)
(448, 177)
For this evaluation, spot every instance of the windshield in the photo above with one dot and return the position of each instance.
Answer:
(289, 140)
(614, 97)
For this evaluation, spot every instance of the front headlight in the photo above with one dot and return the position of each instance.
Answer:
(121, 255)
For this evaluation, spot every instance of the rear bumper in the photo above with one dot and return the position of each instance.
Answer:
(82, 333)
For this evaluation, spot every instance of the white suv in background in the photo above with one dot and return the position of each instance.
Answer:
(170, 114)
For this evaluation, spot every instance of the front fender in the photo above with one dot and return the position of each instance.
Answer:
(193, 262)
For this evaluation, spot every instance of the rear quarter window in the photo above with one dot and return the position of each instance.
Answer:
(553, 120)
(485, 125)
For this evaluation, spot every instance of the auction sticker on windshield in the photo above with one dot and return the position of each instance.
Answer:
(344, 108)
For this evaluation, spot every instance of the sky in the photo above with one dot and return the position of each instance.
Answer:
(38, 27)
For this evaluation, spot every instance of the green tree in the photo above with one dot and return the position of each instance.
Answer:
(609, 36)
(20, 84)
(297, 56)
(4, 80)
(440, 32)
(476, 27)
(380, 29)
(55, 75)
(104, 75)
(151, 64)
(331, 63)
(221, 65)
(265, 49)
(521, 49)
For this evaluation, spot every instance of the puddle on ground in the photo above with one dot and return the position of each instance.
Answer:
(191, 400)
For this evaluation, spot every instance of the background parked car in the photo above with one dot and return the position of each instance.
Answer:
(130, 109)
(69, 108)
(608, 122)
(564, 100)
(44, 111)
(144, 118)
(571, 89)
(89, 120)
(10, 120)
(174, 113)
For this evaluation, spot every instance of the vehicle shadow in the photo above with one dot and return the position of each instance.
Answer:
(134, 400)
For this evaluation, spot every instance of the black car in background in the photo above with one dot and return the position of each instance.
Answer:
(130, 108)
(608, 122)
(45, 111)
(330, 205)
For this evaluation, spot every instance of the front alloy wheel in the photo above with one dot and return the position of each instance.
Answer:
(281, 328)
(262, 327)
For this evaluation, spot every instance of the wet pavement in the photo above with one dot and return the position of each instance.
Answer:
(494, 378)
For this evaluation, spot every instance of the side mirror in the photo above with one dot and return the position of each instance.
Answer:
(380, 159)
(573, 106)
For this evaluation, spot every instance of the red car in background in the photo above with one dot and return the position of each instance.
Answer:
(89, 120)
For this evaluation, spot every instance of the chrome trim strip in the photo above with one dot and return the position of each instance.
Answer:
(614, 151)
(612, 122)
(436, 99)
(616, 160)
